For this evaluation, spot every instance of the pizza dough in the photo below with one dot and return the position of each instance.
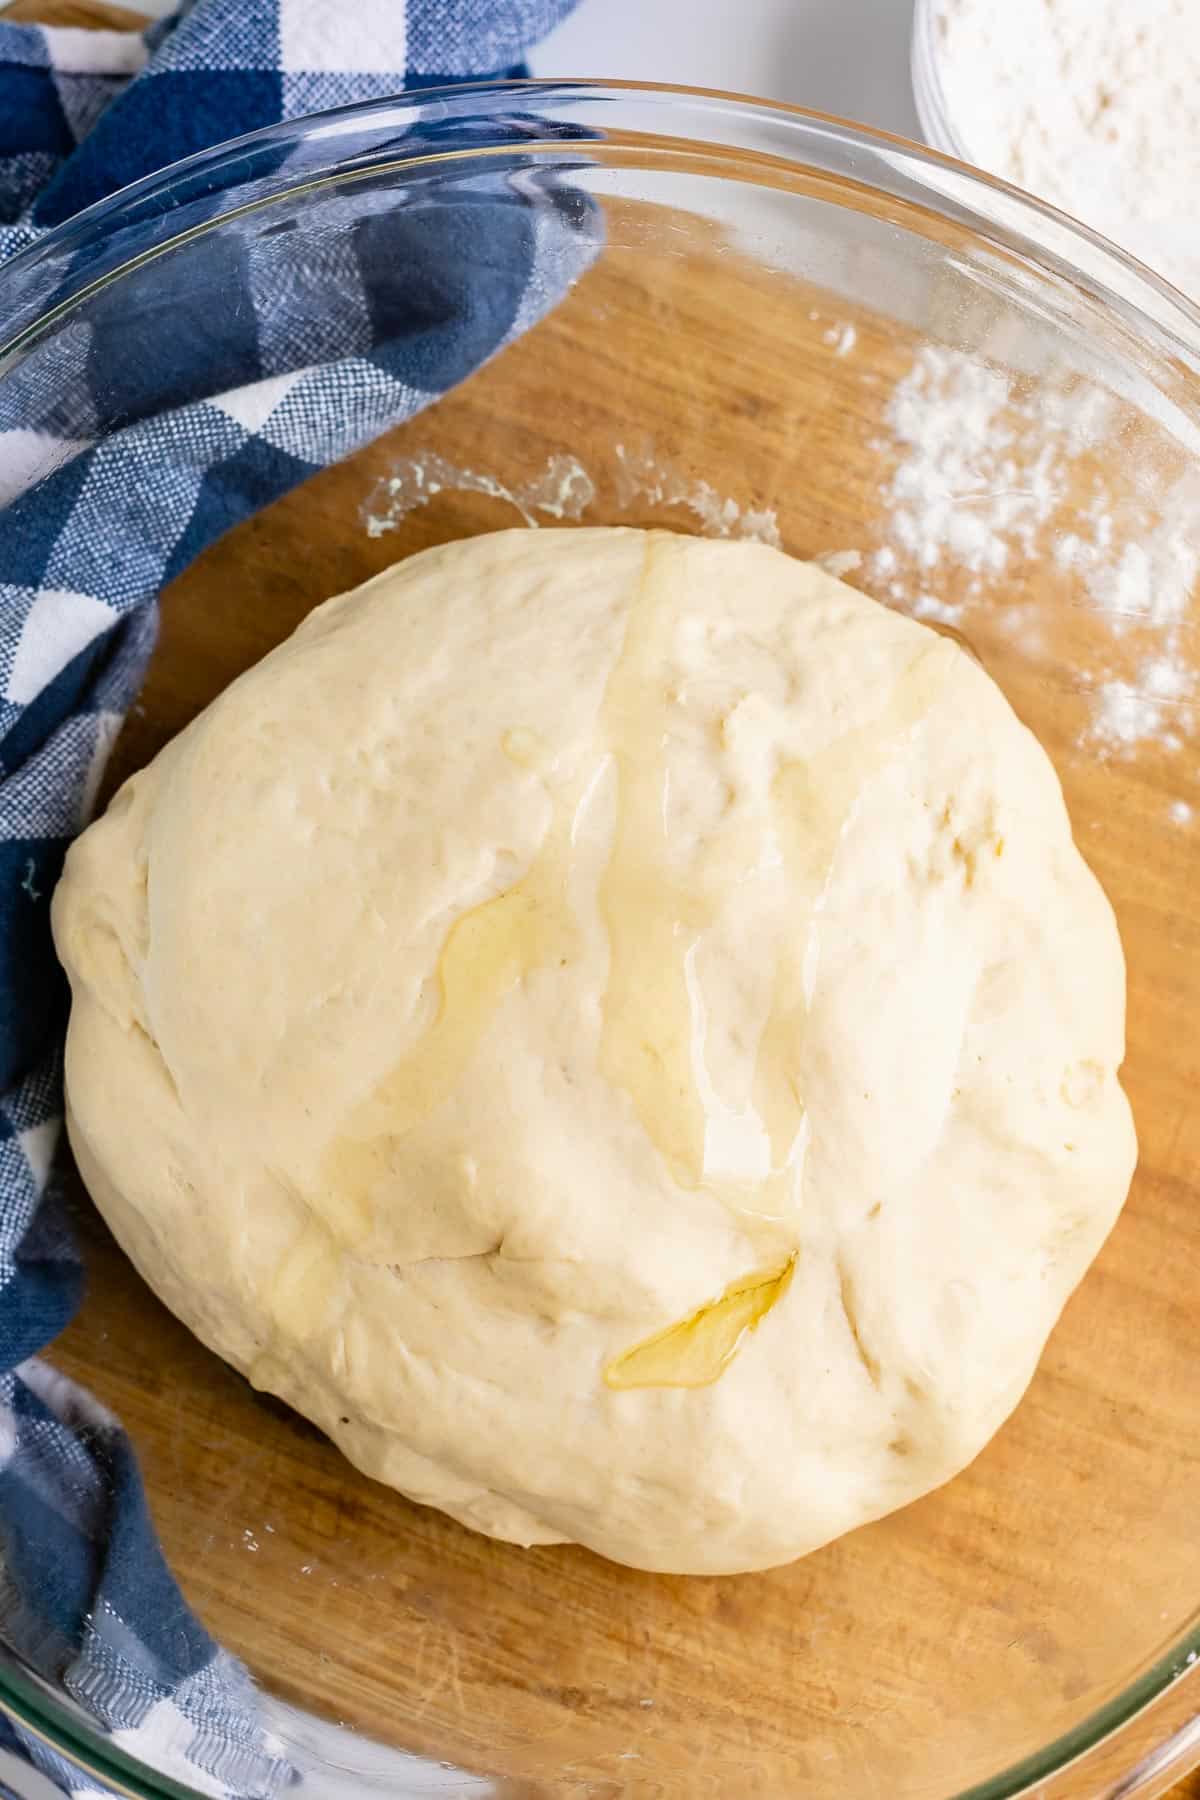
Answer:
(615, 1029)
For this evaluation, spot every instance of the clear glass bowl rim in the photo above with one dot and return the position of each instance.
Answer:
(726, 126)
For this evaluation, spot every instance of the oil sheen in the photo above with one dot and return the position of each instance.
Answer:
(655, 918)
(697, 1350)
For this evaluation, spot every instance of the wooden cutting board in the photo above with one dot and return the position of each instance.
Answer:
(549, 1667)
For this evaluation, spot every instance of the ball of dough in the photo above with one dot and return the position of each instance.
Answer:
(614, 1028)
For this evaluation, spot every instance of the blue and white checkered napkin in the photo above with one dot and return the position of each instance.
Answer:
(113, 476)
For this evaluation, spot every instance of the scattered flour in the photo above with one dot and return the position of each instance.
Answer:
(984, 467)
(1155, 705)
(942, 612)
(839, 563)
(1150, 580)
(1166, 680)
(1092, 105)
(1180, 813)
(984, 470)
(841, 339)
(1123, 716)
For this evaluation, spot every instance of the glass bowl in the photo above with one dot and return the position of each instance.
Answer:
(799, 330)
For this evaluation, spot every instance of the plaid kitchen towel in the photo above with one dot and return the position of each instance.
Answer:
(116, 471)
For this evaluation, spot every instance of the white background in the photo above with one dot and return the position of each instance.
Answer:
(840, 56)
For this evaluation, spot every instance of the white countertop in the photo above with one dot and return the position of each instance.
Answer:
(840, 56)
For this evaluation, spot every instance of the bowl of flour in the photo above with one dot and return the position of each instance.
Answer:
(1089, 104)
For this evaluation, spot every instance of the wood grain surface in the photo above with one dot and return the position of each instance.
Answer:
(926, 1652)
(83, 15)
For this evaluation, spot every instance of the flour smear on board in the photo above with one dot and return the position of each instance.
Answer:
(564, 490)
(1090, 104)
